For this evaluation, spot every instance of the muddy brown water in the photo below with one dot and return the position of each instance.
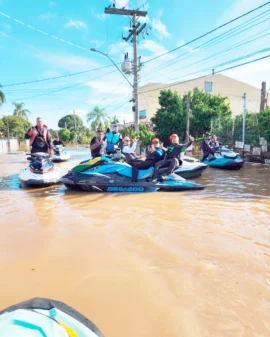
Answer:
(191, 264)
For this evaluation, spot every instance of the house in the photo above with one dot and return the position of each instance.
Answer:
(216, 84)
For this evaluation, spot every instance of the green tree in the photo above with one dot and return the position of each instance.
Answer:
(2, 97)
(98, 118)
(251, 131)
(14, 126)
(54, 133)
(170, 117)
(68, 122)
(19, 111)
(145, 134)
(204, 108)
(264, 123)
(114, 119)
(64, 135)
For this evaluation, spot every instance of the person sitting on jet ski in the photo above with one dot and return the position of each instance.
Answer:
(156, 154)
(129, 151)
(113, 139)
(40, 138)
(215, 143)
(97, 144)
(172, 157)
(57, 141)
(207, 148)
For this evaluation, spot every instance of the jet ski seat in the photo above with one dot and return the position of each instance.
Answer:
(127, 172)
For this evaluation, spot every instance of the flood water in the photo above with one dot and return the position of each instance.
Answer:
(191, 264)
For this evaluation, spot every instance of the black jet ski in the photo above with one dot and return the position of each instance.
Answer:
(40, 172)
(60, 154)
(112, 174)
(41, 317)
(224, 158)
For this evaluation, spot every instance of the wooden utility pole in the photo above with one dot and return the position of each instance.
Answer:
(187, 118)
(263, 98)
(244, 118)
(134, 32)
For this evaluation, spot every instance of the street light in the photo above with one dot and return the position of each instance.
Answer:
(100, 52)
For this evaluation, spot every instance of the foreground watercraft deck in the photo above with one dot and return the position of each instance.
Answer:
(44, 317)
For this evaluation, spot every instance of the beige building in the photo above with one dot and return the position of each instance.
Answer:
(216, 84)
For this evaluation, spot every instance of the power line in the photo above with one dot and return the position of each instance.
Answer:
(211, 31)
(204, 76)
(56, 77)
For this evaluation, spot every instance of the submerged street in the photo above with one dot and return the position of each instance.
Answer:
(155, 264)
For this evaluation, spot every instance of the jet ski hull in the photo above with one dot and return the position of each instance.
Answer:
(226, 163)
(44, 317)
(61, 158)
(28, 178)
(116, 183)
(190, 170)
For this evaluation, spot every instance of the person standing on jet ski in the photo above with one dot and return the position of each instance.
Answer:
(57, 141)
(172, 157)
(129, 151)
(40, 138)
(206, 146)
(97, 144)
(113, 139)
(156, 154)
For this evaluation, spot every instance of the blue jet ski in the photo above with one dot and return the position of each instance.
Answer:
(112, 174)
(43, 317)
(225, 158)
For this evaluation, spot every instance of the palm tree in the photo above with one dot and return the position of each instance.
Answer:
(114, 119)
(2, 97)
(98, 118)
(19, 111)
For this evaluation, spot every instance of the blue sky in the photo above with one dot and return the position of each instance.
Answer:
(28, 54)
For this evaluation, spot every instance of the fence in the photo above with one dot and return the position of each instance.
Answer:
(12, 145)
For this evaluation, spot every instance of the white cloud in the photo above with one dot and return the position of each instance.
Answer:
(189, 49)
(3, 34)
(153, 47)
(6, 26)
(52, 4)
(47, 17)
(97, 43)
(101, 16)
(160, 28)
(121, 3)
(76, 24)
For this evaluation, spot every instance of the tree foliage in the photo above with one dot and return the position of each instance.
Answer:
(19, 111)
(171, 116)
(114, 119)
(145, 134)
(16, 126)
(264, 123)
(64, 135)
(98, 118)
(2, 97)
(69, 123)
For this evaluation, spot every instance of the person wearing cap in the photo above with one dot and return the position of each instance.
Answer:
(172, 157)
(207, 149)
(97, 144)
(129, 151)
(156, 154)
(215, 143)
(40, 138)
(113, 139)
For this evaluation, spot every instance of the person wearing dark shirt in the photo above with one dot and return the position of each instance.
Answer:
(172, 156)
(206, 147)
(40, 138)
(97, 145)
(57, 141)
(156, 154)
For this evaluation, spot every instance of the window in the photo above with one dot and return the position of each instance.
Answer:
(142, 114)
(208, 86)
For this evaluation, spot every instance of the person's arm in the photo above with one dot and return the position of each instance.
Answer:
(94, 144)
(50, 143)
(28, 134)
(127, 149)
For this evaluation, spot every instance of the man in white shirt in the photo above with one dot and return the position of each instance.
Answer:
(129, 151)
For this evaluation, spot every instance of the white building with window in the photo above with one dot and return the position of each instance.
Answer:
(216, 84)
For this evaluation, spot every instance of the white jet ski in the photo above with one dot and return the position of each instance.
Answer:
(60, 154)
(41, 317)
(40, 172)
(190, 168)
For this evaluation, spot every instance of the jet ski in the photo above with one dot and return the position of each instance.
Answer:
(190, 168)
(40, 172)
(43, 317)
(225, 158)
(110, 173)
(59, 154)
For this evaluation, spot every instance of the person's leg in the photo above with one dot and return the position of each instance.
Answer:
(205, 156)
(173, 164)
(158, 165)
(139, 165)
